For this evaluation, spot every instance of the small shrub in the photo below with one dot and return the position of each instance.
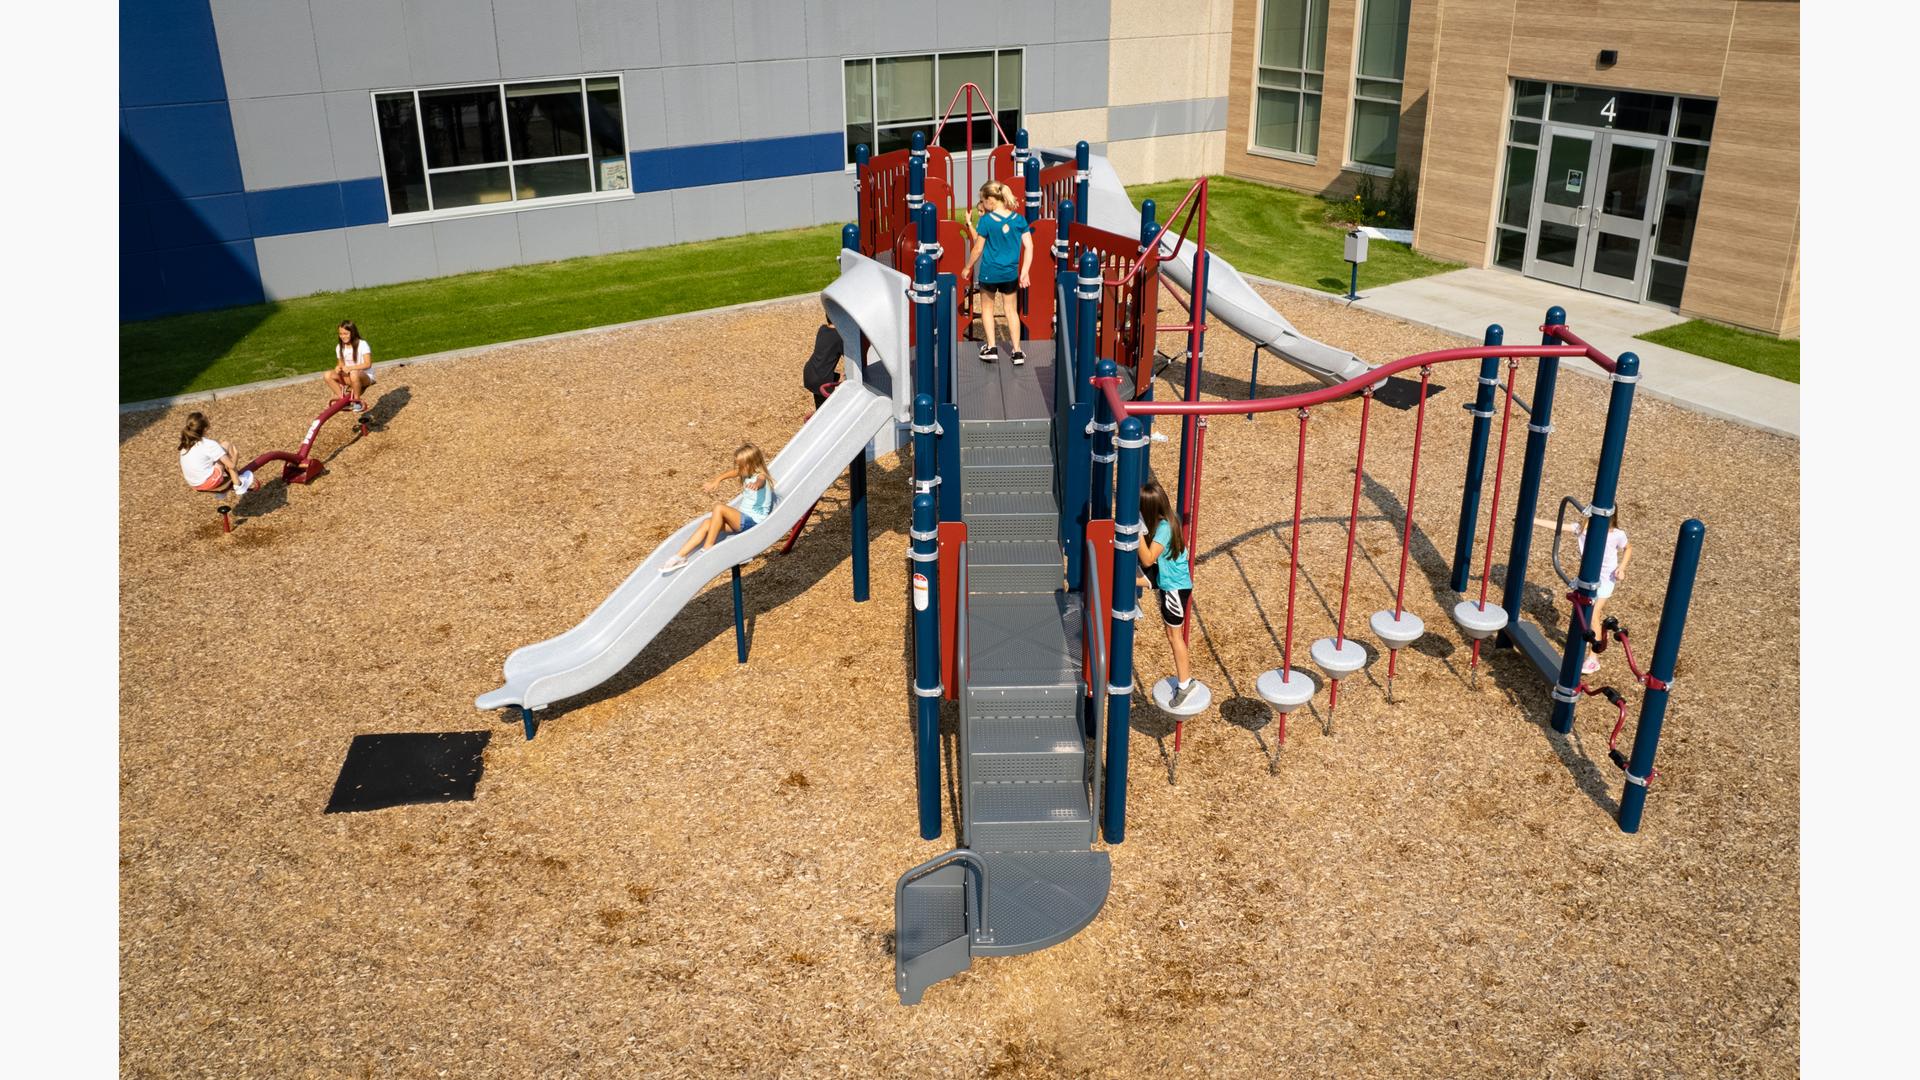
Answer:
(1391, 206)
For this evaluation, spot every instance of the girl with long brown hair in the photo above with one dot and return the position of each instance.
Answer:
(207, 464)
(352, 365)
(1163, 562)
(749, 508)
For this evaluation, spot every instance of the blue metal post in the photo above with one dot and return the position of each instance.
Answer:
(1126, 609)
(949, 440)
(1148, 226)
(1030, 172)
(861, 156)
(526, 721)
(1613, 447)
(926, 663)
(926, 221)
(1082, 162)
(926, 475)
(1666, 652)
(1103, 452)
(740, 619)
(1062, 248)
(850, 237)
(917, 173)
(1075, 486)
(1020, 152)
(857, 494)
(943, 390)
(926, 298)
(1086, 329)
(1482, 412)
(1527, 502)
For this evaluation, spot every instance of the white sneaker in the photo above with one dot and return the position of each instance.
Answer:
(1592, 665)
(672, 564)
(1159, 436)
(244, 484)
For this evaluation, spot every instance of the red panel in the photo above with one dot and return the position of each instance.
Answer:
(1000, 165)
(1056, 184)
(1128, 310)
(1100, 531)
(1037, 299)
(953, 540)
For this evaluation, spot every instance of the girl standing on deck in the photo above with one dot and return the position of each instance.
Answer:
(749, 508)
(1163, 556)
(352, 365)
(1003, 251)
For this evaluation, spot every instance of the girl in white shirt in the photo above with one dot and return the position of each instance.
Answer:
(1613, 570)
(352, 365)
(208, 464)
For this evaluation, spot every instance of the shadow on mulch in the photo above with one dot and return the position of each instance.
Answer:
(409, 767)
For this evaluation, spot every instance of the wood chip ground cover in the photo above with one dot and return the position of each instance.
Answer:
(690, 873)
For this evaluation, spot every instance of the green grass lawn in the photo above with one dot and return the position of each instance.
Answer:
(1281, 234)
(1741, 348)
(206, 350)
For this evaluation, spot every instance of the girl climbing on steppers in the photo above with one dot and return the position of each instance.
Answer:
(1163, 562)
(749, 508)
(207, 464)
(1003, 251)
(1613, 570)
(352, 365)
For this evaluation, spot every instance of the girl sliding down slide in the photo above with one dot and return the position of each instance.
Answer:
(208, 464)
(749, 508)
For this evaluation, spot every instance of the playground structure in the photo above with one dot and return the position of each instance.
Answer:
(1026, 524)
(301, 467)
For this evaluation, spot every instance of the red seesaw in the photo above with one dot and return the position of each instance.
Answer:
(301, 466)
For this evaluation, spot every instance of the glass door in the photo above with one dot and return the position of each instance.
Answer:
(1557, 250)
(1620, 223)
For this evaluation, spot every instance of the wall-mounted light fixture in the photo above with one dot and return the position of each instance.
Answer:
(1609, 57)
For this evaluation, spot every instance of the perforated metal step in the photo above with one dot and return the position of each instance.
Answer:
(1037, 899)
(1022, 515)
(1020, 641)
(1006, 433)
(1018, 566)
(987, 704)
(1029, 817)
(1027, 750)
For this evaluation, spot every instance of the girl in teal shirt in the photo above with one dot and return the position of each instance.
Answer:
(1164, 556)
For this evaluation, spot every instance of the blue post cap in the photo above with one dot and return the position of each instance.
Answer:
(919, 140)
(1148, 234)
(1148, 208)
(1065, 210)
(1089, 264)
(923, 268)
(1082, 153)
(1130, 428)
(923, 510)
(1495, 335)
(923, 403)
(1106, 369)
(1556, 316)
(862, 154)
(1628, 364)
(1020, 138)
(850, 236)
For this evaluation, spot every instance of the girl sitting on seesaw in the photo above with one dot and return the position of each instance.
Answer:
(352, 365)
(208, 464)
(749, 508)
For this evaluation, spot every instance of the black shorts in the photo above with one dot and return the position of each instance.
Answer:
(1001, 287)
(1174, 604)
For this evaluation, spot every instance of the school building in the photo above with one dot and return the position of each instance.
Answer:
(277, 148)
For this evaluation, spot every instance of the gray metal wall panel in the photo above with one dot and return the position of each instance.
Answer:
(1166, 118)
(283, 141)
(703, 213)
(362, 44)
(826, 95)
(783, 202)
(696, 32)
(451, 41)
(769, 30)
(537, 37)
(617, 34)
(266, 47)
(971, 25)
(839, 28)
(303, 263)
(558, 232)
(644, 221)
(904, 26)
(703, 104)
(1037, 65)
(832, 198)
(773, 99)
(646, 109)
(1079, 75)
(383, 255)
(1082, 20)
(356, 150)
(488, 242)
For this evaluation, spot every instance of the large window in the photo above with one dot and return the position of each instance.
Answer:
(463, 149)
(1379, 69)
(891, 97)
(1289, 77)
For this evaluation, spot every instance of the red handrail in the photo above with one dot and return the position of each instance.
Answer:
(1561, 331)
(1110, 385)
(948, 115)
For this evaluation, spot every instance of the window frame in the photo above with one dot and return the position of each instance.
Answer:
(1253, 101)
(1352, 163)
(514, 204)
(872, 60)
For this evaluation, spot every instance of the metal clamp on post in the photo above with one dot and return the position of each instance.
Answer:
(913, 203)
(1634, 378)
(1484, 414)
(1060, 249)
(1107, 458)
(1598, 511)
(1089, 288)
(1540, 429)
(1095, 425)
(925, 487)
(921, 691)
(930, 534)
(1130, 444)
(1119, 691)
(924, 293)
(924, 556)
(1485, 381)
(928, 429)
(1653, 683)
(1128, 615)
(1081, 174)
(933, 249)
(1561, 693)
(1636, 781)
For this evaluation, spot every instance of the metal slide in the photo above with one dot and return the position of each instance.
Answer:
(607, 641)
(1229, 298)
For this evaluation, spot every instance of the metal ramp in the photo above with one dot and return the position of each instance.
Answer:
(1026, 875)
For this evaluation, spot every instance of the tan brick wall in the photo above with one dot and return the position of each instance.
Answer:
(1168, 50)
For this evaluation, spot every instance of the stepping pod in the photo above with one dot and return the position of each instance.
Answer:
(1196, 703)
(1398, 631)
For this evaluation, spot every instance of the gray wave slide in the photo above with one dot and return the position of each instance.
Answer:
(607, 641)
(1229, 298)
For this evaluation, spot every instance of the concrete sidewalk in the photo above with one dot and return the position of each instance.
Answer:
(1465, 301)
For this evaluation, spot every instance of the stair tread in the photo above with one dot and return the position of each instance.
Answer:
(1037, 899)
(1021, 803)
(1003, 457)
(999, 503)
(1047, 735)
(1012, 553)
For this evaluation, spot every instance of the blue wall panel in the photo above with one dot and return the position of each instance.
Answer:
(188, 148)
(212, 276)
(177, 223)
(306, 208)
(794, 155)
(365, 201)
(168, 54)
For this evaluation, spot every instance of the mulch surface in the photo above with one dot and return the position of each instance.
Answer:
(690, 873)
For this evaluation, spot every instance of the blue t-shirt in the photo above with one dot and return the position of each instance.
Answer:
(1173, 571)
(1001, 260)
(755, 499)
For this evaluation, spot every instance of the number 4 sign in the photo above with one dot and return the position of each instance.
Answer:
(1610, 110)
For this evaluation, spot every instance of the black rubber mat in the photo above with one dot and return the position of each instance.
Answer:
(412, 767)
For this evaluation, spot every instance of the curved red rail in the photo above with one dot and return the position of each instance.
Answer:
(1110, 385)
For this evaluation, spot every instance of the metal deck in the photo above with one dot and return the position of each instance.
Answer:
(1001, 390)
